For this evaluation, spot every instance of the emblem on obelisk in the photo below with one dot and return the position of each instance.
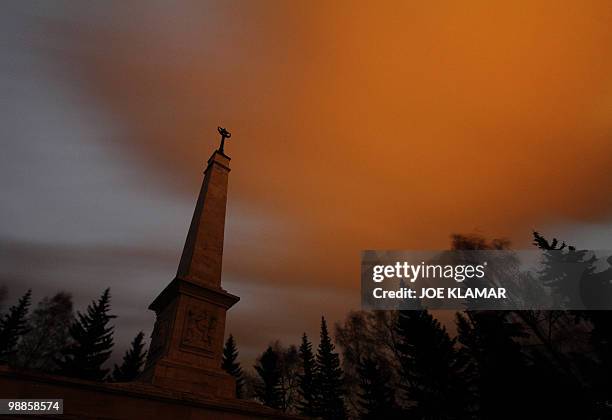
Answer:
(200, 329)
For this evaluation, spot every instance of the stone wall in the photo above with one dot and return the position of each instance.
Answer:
(133, 400)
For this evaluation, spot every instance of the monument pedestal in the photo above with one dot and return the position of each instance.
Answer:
(187, 342)
(180, 377)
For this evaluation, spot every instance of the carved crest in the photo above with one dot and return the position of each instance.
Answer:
(200, 328)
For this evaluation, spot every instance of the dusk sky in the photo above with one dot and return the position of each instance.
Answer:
(355, 126)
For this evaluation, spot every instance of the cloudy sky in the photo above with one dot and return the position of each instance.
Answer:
(356, 125)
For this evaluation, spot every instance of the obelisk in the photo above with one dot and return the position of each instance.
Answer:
(187, 340)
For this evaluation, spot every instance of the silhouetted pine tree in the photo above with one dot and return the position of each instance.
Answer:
(590, 397)
(432, 369)
(50, 322)
(231, 365)
(307, 391)
(565, 267)
(510, 379)
(268, 390)
(13, 326)
(92, 342)
(500, 376)
(133, 360)
(376, 399)
(328, 379)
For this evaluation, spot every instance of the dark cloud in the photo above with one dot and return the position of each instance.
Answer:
(85, 271)
(137, 275)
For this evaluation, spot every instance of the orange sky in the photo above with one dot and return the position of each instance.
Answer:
(369, 126)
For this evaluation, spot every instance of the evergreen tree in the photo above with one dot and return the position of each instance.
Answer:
(376, 399)
(133, 360)
(328, 379)
(363, 335)
(565, 269)
(91, 342)
(231, 365)
(13, 326)
(497, 374)
(500, 376)
(50, 323)
(307, 391)
(268, 390)
(432, 370)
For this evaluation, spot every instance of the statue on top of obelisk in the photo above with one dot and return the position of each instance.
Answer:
(224, 135)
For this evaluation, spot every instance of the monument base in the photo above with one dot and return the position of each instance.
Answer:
(185, 378)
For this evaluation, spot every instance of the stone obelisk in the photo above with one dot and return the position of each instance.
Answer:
(187, 340)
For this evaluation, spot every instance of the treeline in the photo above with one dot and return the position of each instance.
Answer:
(387, 364)
(293, 379)
(53, 339)
(406, 365)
